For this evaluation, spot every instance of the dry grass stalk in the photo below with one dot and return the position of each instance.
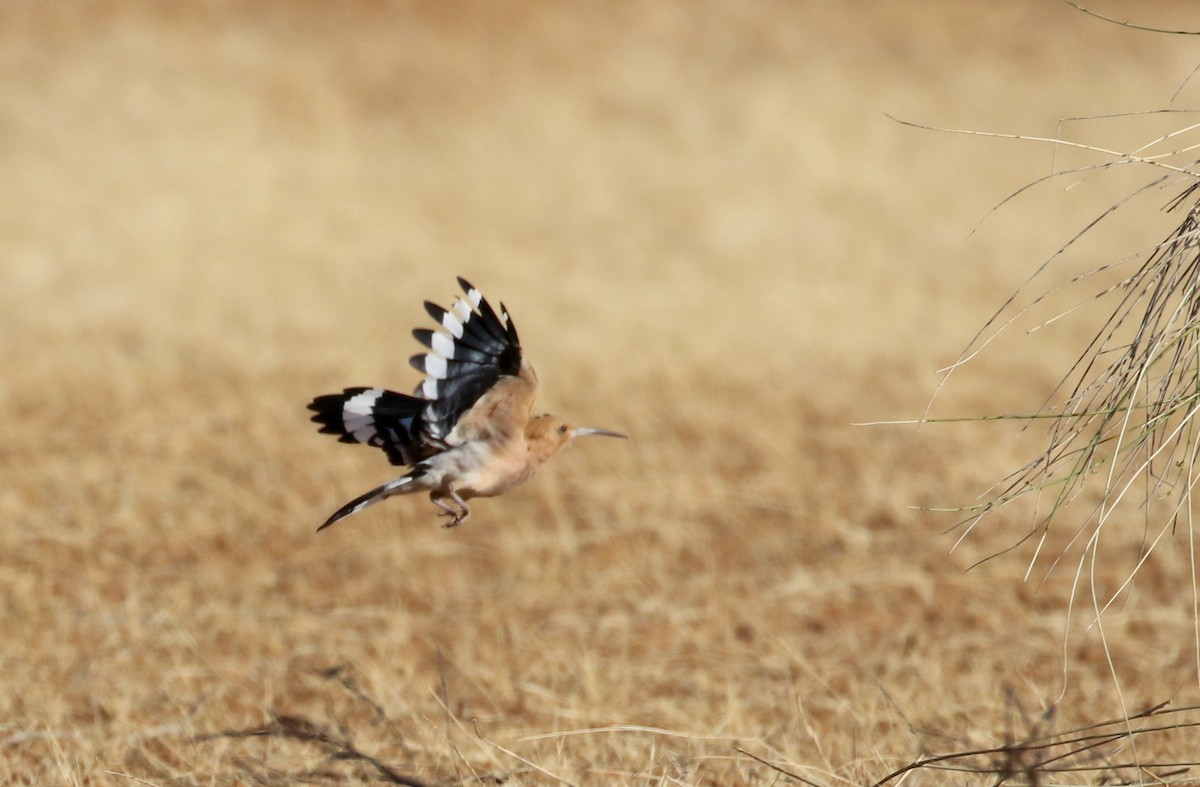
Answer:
(1090, 751)
(1126, 428)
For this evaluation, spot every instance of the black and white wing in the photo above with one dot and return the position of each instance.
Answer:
(374, 416)
(474, 347)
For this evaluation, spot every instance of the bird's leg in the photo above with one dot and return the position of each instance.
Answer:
(462, 515)
(459, 515)
(446, 510)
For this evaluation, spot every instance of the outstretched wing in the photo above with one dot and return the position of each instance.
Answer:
(473, 349)
(374, 416)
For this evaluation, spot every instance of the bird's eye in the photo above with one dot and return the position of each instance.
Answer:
(562, 429)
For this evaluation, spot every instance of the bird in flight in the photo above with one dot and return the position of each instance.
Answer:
(468, 430)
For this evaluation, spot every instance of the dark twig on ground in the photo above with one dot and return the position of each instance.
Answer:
(1035, 759)
(338, 747)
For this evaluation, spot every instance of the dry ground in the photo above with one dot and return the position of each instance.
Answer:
(710, 235)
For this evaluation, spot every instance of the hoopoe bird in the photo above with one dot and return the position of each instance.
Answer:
(468, 430)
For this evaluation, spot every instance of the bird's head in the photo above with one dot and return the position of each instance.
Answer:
(550, 433)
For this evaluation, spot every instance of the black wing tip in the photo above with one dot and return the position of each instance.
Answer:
(328, 407)
(435, 311)
(324, 400)
(509, 327)
(331, 423)
(466, 285)
(322, 403)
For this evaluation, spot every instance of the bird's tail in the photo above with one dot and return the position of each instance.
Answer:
(397, 486)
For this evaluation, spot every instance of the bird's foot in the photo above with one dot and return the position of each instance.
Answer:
(459, 514)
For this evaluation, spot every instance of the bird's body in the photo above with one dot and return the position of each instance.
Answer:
(468, 430)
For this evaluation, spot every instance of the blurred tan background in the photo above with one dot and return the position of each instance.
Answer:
(710, 234)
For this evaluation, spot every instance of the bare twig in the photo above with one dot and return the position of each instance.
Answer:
(777, 768)
(1130, 25)
(1071, 751)
(301, 729)
(342, 674)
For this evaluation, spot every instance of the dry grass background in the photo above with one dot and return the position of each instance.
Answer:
(710, 236)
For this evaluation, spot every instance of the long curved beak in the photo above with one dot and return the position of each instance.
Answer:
(583, 431)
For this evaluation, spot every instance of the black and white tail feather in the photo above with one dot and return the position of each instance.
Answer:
(473, 347)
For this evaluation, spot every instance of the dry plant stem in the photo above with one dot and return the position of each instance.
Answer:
(1046, 754)
(1133, 413)
(524, 761)
(1130, 25)
(301, 729)
(444, 698)
(133, 779)
(776, 768)
(1128, 416)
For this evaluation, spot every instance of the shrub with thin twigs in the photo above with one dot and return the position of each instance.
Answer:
(1123, 443)
(1134, 393)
